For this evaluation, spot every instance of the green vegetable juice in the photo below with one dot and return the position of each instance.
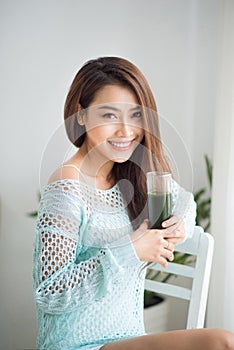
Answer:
(159, 208)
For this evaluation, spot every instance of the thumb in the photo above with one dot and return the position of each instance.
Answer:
(145, 223)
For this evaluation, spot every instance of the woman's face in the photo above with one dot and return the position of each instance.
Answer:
(114, 123)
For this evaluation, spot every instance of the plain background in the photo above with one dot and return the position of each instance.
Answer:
(43, 43)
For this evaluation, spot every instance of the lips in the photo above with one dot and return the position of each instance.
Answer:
(121, 146)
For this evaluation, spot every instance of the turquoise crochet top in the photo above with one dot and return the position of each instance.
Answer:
(87, 281)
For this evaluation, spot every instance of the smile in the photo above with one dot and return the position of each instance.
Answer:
(122, 146)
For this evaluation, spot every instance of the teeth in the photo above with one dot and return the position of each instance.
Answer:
(121, 144)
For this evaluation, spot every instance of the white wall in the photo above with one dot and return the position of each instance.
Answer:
(220, 311)
(43, 44)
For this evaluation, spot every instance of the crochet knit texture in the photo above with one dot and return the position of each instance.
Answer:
(87, 280)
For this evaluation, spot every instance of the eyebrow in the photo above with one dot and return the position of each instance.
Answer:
(118, 110)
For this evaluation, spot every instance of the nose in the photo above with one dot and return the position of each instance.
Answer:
(124, 130)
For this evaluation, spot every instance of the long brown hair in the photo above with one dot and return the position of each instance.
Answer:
(148, 156)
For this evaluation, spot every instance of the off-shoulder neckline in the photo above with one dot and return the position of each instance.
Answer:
(80, 183)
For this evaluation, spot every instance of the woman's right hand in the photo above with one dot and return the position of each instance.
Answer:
(152, 245)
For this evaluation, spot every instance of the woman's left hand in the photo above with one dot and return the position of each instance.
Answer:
(174, 226)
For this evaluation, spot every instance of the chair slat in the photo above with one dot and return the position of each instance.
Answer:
(178, 269)
(168, 289)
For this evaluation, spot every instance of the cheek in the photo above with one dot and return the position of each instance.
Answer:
(141, 133)
(100, 133)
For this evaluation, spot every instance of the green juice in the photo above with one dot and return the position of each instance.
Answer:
(159, 208)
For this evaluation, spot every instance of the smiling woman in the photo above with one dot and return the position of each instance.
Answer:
(92, 239)
(116, 129)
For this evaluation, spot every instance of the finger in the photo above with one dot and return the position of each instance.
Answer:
(162, 261)
(168, 255)
(175, 233)
(178, 226)
(169, 245)
(175, 241)
(145, 223)
(171, 221)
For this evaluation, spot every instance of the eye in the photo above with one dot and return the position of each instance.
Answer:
(109, 116)
(137, 115)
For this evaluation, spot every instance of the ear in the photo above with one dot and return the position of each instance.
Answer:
(80, 115)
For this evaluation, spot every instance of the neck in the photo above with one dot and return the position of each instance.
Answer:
(92, 165)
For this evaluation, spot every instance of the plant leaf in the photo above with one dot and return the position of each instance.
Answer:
(198, 194)
(209, 169)
(33, 214)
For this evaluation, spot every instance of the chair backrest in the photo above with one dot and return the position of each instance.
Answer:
(201, 246)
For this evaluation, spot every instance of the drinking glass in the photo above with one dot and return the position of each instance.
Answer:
(159, 187)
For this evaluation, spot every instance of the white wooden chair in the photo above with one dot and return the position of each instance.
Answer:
(201, 246)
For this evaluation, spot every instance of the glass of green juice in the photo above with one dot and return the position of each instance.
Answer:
(159, 187)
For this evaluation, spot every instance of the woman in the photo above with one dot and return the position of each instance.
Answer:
(92, 234)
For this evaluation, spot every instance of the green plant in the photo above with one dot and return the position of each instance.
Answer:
(204, 202)
(33, 214)
(203, 219)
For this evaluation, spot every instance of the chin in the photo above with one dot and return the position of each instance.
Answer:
(120, 160)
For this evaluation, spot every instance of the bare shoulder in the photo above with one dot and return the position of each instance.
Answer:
(66, 171)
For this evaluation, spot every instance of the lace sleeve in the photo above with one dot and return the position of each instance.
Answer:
(184, 206)
(61, 283)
